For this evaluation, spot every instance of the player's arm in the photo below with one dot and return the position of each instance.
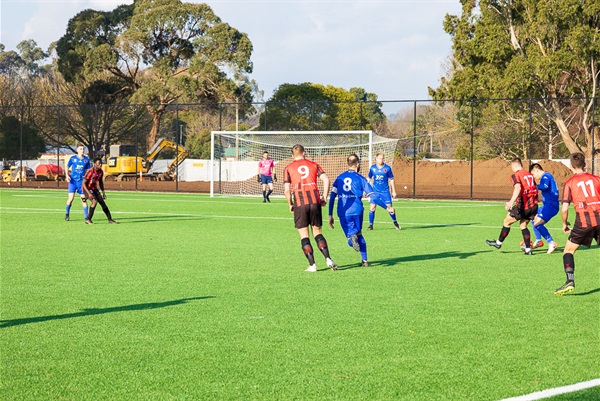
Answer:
(86, 180)
(331, 203)
(392, 188)
(101, 185)
(516, 191)
(288, 195)
(67, 174)
(325, 180)
(564, 214)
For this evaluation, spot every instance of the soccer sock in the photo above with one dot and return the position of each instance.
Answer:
(264, 194)
(322, 244)
(537, 233)
(363, 247)
(269, 193)
(569, 263)
(85, 211)
(91, 212)
(371, 217)
(106, 211)
(543, 231)
(393, 216)
(68, 209)
(503, 234)
(526, 238)
(308, 250)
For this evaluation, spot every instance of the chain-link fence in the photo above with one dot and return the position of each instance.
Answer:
(445, 149)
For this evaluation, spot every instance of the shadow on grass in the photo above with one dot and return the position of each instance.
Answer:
(147, 219)
(420, 227)
(99, 311)
(579, 294)
(415, 258)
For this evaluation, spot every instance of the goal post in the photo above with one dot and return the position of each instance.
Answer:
(234, 155)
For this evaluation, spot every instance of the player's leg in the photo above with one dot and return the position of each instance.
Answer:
(301, 222)
(316, 224)
(91, 209)
(372, 207)
(569, 267)
(508, 221)
(392, 212)
(83, 198)
(270, 191)
(105, 209)
(361, 241)
(526, 235)
(69, 203)
(539, 224)
(264, 188)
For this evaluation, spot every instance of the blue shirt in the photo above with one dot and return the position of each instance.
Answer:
(349, 187)
(381, 176)
(549, 190)
(78, 167)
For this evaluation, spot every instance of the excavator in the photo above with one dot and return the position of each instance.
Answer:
(121, 164)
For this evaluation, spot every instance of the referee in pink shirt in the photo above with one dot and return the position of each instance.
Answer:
(266, 176)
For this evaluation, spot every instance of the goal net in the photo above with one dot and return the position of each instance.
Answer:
(235, 155)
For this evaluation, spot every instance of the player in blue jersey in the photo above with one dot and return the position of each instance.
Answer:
(78, 164)
(350, 187)
(549, 190)
(382, 179)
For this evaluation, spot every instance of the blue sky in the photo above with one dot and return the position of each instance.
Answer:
(394, 48)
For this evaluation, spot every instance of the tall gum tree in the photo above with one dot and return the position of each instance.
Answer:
(546, 50)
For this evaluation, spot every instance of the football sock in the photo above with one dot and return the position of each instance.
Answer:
(269, 193)
(91, 212)
(322, 244)
(371, 217)
(85, 211)
(308, 251)
(264, 194)
(569, 263)
(537, 233)
(543, 231)
(105, 210)
(526, 238)
(393, 216)
(363, 247)
(68, 209)
(503, 234)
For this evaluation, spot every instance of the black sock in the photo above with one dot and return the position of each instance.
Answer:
(264, 194)
(526, 237)
(91, 212)
(322, 244)
(503, 233)
(308, 250)
(569, 263)
(106, 212)
(269, 193)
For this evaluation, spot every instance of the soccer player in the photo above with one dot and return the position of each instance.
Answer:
(521, 207)
(583, 191)
(382, 180)
(91, 181)
(350, 187)
(304, 200)
(266, 176)
(549, 190)
(78, 164)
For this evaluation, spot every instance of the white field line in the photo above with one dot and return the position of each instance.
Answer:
(551, 392)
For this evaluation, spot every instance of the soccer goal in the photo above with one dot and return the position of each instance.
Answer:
(235, 154)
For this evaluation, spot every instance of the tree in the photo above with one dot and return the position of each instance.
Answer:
(188, 53)
(12, 138)
(309, 106)
(543, 50)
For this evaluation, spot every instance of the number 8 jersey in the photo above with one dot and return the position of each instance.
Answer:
(302, 176)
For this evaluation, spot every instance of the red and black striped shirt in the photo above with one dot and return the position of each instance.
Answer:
(302, 176)
(583, 191)
(92, 177)
(528, 197)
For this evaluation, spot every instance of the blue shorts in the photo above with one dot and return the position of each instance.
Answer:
(547, 213)
(76, 186)
(351, 224)
(266, 179)
(383, 199)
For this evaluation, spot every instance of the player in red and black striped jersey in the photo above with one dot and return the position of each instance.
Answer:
(583, 191)
(305, 201)
(93, 179)
(521, 207)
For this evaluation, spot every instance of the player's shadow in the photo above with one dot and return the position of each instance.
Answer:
(415, 258)
(99, 311)
(148, 219)
(421, 227)
(579, 294)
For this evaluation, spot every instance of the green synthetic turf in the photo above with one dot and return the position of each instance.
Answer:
(193, 298)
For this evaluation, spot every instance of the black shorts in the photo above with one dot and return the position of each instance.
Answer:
(523, 214)
(308, 215)
(584, 236)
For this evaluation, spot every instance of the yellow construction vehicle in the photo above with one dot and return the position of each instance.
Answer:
(121, 164)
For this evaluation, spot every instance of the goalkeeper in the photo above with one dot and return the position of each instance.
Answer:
(265, 175)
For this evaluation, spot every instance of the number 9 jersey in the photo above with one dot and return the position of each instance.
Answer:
(302, 176)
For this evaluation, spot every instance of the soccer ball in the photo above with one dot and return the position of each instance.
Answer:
(522, 245)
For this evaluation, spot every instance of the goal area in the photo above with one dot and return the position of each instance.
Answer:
(235, 155)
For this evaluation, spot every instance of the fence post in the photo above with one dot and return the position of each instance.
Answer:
(594, 100)
(137, 129)
(21, 149)
(58, 149)
(472, 150)
(415, 150)
(177, 142)
(530, 130)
